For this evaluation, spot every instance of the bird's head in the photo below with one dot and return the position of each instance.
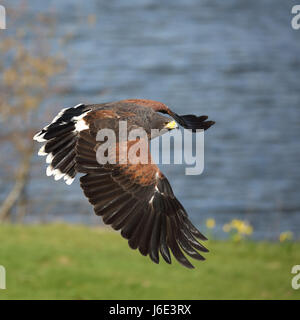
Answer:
(162, 123)
(152, 113)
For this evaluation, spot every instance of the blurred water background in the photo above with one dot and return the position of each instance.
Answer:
(237, 61)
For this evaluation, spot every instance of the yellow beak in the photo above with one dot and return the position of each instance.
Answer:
(171, 125)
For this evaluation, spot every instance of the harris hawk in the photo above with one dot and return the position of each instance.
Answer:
(134, 198)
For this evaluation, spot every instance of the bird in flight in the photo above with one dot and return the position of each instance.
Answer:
(135, 198)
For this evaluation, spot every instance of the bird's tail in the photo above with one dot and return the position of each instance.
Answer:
(60, 138)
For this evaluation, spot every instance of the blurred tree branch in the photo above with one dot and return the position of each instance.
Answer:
(26, 81)
(18, 189)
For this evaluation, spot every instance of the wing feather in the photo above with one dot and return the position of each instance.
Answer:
(138, 200)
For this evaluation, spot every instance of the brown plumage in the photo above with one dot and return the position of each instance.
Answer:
(134, 198)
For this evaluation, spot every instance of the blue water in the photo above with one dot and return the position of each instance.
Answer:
(236, 61)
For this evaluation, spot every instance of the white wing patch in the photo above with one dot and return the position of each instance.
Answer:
(79, 124)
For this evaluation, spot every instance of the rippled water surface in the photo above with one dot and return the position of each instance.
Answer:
(236, 61)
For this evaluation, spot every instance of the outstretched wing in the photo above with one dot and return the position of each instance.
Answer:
(138, 200)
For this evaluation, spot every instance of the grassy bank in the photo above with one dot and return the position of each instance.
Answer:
(78, 262)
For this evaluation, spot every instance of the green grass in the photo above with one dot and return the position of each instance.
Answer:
(77, 262)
